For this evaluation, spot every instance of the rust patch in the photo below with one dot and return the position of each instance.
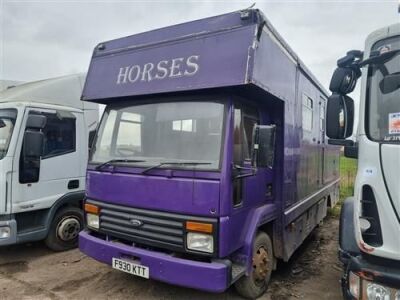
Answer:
(366, 248)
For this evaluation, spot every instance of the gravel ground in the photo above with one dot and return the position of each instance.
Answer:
(33, 272)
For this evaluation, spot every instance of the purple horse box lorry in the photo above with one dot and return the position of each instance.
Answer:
(210, 162)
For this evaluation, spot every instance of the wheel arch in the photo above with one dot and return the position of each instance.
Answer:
(262, 219)
(347, 241)
(70, 199)
(74, 199)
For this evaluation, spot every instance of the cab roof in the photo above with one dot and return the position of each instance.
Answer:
(65, 91)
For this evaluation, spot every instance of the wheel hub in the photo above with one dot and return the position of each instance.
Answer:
(260, 264)
(68, 229)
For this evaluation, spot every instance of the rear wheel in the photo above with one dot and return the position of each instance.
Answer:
(256, 283)
(64, 229)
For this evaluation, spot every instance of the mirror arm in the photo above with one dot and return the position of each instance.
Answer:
(351, 151)
(244, 168)
(245, 175)
(240, 168)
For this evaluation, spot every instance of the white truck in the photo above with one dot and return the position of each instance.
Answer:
(44, 136)
(370, 220)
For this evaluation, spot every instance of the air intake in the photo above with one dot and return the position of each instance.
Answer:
(371, 234)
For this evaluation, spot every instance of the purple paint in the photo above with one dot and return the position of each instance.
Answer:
(181, 195)
(210, 65)
(239, 60)
(162, 267)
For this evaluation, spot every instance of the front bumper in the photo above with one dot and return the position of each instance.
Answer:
(212, 277)
(386, 273)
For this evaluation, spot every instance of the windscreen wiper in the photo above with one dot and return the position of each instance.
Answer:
(113, 161)
(189, 163)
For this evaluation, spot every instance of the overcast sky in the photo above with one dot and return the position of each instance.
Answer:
(41, 39)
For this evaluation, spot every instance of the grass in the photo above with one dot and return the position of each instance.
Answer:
(348, 171)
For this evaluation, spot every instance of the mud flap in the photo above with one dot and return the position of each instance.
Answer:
(347, 242)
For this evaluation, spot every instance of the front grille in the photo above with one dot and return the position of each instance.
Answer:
(145, 227)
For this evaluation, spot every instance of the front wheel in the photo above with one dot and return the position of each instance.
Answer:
(254, 285)
(64, 229)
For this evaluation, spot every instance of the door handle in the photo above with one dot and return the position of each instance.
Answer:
(73, 184)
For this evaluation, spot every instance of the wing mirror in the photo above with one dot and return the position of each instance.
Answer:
(33, 137)
(36, 122)
(390, 83)
(32, 149)
(33, 145)
(339, 117)
(343, 80)
(340, 108)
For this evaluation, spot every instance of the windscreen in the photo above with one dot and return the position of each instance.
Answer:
(162, 132)
(7, 122)
(383, 88)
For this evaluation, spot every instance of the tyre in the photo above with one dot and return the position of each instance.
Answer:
(64, 229)
(254, 285)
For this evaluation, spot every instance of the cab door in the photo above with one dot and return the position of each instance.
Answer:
(39, 186)
(249, 185)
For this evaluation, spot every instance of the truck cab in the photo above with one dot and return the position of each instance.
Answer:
(44, 137)
(370, 223)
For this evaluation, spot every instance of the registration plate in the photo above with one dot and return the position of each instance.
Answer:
(131, 268)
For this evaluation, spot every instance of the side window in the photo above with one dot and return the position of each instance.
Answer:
(184, 125)
(237, 137)
(59, 134)
(307, 110)
(322, 114)
(244, 121)
(248, 124)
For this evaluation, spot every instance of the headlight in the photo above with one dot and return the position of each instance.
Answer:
(367, 290)
(93, 221)
(397, 296)
(5, 232)
(376, 291)
(200, 242)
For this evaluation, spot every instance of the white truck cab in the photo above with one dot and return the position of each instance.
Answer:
(370, 220)
(44, 137)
